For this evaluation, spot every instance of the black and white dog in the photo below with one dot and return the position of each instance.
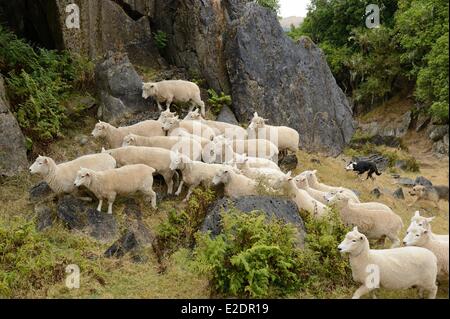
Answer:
(362, 167)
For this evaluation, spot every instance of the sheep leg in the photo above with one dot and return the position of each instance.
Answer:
(111, 200)
(180, 187)
(361, 291)
(432, 292)
(169, 102)
(395, 241)
(169, 181)
(100, 203)
(159, 106)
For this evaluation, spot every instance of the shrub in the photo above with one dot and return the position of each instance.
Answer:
(179, 228)
(217, 101)
(160, 39)
(38, 81)
(273, 5)
(256, 257)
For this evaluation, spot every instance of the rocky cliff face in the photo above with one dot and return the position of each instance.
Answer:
(13, 154)
(237, 46)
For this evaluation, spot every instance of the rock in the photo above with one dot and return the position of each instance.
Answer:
(315, 161)
(445, 140)
(398, 193)
(40, 192)
(440, 148)
(404, 181)
(76, 215)
(44, 217)
(227, 116)
(358, 193)
(420, 180)
(82, 139)
(290, 93)
(392, 129)
(123, 245)
(396, 176)
(438, 132)
(237, 47)
(13, 152)
(288, 162)
(422, 121)
(376, 192)
(278, 207)
(401, 164)
(119, 86)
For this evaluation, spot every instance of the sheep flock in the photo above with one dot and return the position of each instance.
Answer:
(195, 151)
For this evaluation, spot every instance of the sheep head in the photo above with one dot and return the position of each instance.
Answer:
(416, 236)
(84, 177)
(354, 242)
(40, 165)
(149, 89)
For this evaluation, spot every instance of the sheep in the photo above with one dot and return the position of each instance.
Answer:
(266, 174)
(302, 183)
(60, 177)
(420, 237)
(124, 180)
(158, 158)
(174, 124)
(187, 146)
(236, 185)
(285, 138)
(114, 136)
(375, 224)
(228, 130)
(314, 183)
(425, 222)
(193, 173)
(254, 162)
(367, 205)
(301, 198)
(218, 150)
(183, 133)
(166, 115)
(398, 268)
(174, 91)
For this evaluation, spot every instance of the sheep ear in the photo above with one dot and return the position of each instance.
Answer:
(417, 214)
(288, 174)
(103, 150)
(430, 219)
(355, 228)
(255, 114)
(266, 120)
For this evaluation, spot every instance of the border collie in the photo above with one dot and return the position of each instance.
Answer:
(362, 167)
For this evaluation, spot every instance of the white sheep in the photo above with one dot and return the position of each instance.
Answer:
(114, 136)
(235, 185)
(301, 198)
(183, 133)
(302, 183)
(60, 177)
(174, 91)
(167, 114)
(375, 224)
(420, 237)
(185, 145)
(268, 175)
(255, 162)
(230, 131)
(194, 173)
(219, 151)
(398, 268)
(285, 138)
(174, 124)
(357, 205)
(155, 157)
(119, 181)
(425, 222)
(314, 183)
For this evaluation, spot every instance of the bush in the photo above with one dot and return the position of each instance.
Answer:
(160, 39)
(273, 5)
(217, 102)
(179, 228)
(256, 257)
(38, 81)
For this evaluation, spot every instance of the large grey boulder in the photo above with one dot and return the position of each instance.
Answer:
(281, 208)
(288, 83)
(13, 153)
(119, 87)
(239, 47)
